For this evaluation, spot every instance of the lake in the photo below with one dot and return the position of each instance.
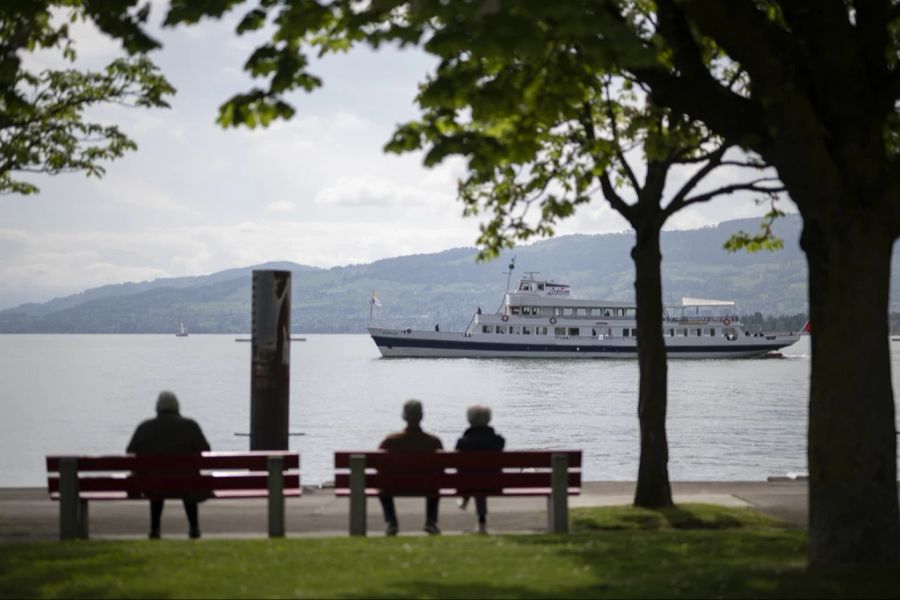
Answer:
(84, 394)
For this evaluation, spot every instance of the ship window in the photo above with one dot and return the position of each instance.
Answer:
(671, 333)
(541, 331)
(573, 331)
(712, 332)
(515, 310)
(606, 313)
(500, 329)
(485, 329)
(634, 332)
(581, 312)
(557, 311)
(699, 332)
(626, 332)
(526, 331)
(559, 331)
(596, 312)
(568, 312)
(684, 332)
(526, 310)
(540, 286)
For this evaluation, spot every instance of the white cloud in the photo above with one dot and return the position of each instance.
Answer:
(369, 190)
(140, 195)
(281, 206)
(349, 122)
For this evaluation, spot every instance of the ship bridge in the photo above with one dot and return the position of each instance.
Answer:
(532, 286)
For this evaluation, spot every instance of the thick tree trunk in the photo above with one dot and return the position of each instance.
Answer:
(653, 488)
(853, 509)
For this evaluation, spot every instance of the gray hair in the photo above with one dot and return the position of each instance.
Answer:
(167, 402)
(479, 415)
(412, 411)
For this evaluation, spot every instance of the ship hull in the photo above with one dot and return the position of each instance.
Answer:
(400, 343)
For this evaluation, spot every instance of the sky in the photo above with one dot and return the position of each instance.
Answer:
(195, 199)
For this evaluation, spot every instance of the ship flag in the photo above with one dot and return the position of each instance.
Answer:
(375, 299)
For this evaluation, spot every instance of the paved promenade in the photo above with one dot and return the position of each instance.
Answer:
(27, 514)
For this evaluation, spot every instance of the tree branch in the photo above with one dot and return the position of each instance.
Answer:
(730, 189)
(617, 142)
(679, 200)
(692, 90)
(614, 199)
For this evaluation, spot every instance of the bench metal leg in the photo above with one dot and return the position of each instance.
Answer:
(558, 502)
(276, 496)
(357, 494)
(83, 519)
(73, 512)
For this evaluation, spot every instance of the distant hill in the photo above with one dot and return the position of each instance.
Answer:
(444, 287)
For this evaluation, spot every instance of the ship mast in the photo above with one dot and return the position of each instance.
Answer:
(512, 267)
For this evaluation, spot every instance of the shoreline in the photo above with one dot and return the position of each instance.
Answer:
(27, 514)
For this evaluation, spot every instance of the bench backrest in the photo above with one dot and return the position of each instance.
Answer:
(487, 472)
(222, 473)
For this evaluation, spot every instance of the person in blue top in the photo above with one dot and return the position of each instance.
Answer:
(479, 437)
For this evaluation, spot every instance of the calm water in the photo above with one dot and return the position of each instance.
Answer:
(728, 419)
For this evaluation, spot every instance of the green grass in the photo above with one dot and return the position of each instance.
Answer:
(691, 551)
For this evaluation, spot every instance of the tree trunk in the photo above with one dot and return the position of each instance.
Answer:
(653, 488)
(853, 508)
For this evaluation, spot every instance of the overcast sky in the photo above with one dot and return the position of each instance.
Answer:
(195, 199)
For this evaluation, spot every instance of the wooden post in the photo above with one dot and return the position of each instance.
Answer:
(70, 514)
(270, 360)
(558, 505)
(276, 496)
(358, 494)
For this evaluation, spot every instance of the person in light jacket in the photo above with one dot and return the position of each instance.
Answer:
(170, 433)
(479, 437)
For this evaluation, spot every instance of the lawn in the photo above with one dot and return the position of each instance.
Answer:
(692, 551)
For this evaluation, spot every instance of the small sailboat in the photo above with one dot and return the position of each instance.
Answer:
(182, 332)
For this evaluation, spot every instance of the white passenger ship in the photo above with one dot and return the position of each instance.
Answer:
(541, 318)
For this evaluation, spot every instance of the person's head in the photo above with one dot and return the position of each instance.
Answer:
(478, 415)
(167, 403)
(412, 412)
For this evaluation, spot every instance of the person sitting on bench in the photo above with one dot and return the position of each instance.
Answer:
(479, 437)
(412, 439)
(170, 433)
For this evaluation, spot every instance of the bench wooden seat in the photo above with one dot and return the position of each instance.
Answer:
(76, 480)
(554, 474)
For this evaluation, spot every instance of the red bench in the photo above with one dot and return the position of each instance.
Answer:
(554, 474)
(76, 480)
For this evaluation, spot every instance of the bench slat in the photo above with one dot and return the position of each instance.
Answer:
(464, 481)
(256, 461)
(219, 495)
(137, 484)
(449, 492)
(467, 460)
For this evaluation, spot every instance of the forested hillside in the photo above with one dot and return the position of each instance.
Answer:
(445, 287)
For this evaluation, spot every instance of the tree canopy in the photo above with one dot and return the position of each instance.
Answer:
(44, 127)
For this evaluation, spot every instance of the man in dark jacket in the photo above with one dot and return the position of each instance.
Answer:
(169, 433)
(479, 437)
(411, 439)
